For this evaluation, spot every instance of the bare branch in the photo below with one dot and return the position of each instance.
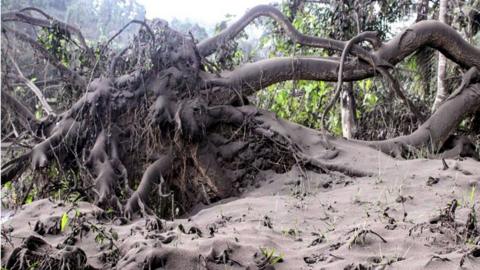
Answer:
(46, 107)
(437, 128)
(48, 23)
(37, 10)
(26, 117)
(66, 72)
(125, 27)
(252, 77)
(371, 36)
(210, 45)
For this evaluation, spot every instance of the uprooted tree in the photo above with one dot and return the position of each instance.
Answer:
(160, 116)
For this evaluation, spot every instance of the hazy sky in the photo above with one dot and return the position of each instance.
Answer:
(207, 12)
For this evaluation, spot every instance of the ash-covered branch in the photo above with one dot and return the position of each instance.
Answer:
(49, 22)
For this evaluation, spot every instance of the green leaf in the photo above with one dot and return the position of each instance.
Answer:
(29, 199)
(38, 114)
(7, 185)
(64, 222)
(370, 99)
(276, 259)
(472, 196)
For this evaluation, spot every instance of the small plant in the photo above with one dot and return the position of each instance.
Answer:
(472, 221)
(32, 266)
(472, 196)
(103, 234)
(468, 199)
(270, 256)
(64, 222)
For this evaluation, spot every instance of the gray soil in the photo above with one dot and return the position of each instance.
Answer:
(394, 219)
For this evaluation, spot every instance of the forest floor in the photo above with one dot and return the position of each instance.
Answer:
(400, 218)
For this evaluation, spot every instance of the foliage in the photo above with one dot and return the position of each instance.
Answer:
(335, 19)
(270, 256)
(64, 222)
(342, 20)
(55, 41)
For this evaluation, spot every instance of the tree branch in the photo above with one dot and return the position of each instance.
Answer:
(149, 30)
(25, 115)
(46, 107)
(49, 23)
(357, 39)
(437, 128)
(210, 45)
(66, 72)
(252, 77)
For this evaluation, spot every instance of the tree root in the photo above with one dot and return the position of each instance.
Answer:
(153, 176)
(108, 169)
(65, 133)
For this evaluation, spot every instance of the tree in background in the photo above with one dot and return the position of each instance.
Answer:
(442, 90)
(372, 96)
(339, 20)
(198, 32)
(99, 19)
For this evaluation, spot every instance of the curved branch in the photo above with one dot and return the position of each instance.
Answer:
(43, 13)
(437, 128)
(26, 116)
(66, 72)
(358, 38)
(49, 23)
(125, 27)
(432, 34)
(46, 107)
(210, 45)
(252, 77)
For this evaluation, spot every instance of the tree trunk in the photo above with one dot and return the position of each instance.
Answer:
(435, 131)
(442, 91)
(424, 56)
(348, 109)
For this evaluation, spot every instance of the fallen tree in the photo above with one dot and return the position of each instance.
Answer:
(156, 117)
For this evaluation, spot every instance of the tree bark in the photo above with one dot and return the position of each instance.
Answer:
(433, 133)
(442, 91)
(348, 109)
(252, 77)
